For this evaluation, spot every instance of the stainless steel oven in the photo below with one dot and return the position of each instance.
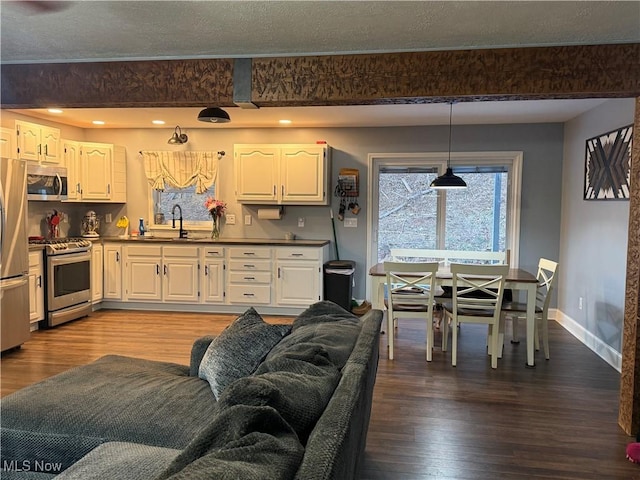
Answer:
(67, 280)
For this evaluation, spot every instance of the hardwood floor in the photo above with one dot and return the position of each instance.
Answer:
(429, 421)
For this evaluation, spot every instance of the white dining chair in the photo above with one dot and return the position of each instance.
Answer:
(477, 292)
(547, 270)
(410, 288)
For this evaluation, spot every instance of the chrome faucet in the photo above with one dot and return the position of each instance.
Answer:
(182, 233)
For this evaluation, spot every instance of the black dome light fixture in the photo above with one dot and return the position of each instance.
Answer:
(448, 181)
(214, 115)
(178, 138)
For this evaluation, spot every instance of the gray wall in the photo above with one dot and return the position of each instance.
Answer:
(541, 187)
(593, 238)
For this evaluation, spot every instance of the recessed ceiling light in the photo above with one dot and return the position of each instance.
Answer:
(158, 122)
(98, 122)
(285, 122)
(54, 110)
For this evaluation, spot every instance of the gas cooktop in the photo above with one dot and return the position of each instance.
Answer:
(55, 246)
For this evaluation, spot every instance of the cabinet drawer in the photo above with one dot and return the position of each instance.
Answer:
(144, 250)
(249, 252)
(177, 251)
(250, 277)
(213, 252)
(250, 265)
(35, 258)
(298, 254)
(250, 294)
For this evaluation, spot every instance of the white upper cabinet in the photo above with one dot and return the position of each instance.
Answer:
(38, 143)
(282, 174)
(96, 171)
(7, 143)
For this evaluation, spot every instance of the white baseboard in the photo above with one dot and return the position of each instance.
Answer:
(604, 351)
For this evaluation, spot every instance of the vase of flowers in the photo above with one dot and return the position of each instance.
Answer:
(216, 208)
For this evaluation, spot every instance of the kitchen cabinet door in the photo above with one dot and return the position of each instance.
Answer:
(71, 153)
(257, 173)
(297, 282)
(181, 269)
(7, 143)
(303, 174)
(112, 286)
(36, 286)
(97, 269)
(212, 275)
(96, 171)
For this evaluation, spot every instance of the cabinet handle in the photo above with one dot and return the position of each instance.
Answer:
(249, 266)
(278, 272)
(206, 269)
(297, 254)
(109, 188)
(249, 253)
(39, 149)
(283, 190)
(274, 190)
(40, 281)
(249, 278)
(165, 269)
(46, 149)
(248, 294)
(157, 269)
(117, 257)
(77, 188)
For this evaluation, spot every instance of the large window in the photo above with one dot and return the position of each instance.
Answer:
(194, 213)
(406, 213)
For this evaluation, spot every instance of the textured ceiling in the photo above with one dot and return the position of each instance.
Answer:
(107, 30)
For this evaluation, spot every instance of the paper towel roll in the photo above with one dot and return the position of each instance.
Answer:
(269, 214)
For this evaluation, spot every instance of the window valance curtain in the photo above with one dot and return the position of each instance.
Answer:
(180, 169)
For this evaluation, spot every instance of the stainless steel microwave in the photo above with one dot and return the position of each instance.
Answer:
(46, 183)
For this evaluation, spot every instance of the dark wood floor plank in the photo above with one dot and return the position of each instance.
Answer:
(429, 420)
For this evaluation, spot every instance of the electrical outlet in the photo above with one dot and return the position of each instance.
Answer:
(108, 218)
(351, 222)
(300, 222)
(247, 219)
(230, 219)
(580, 303)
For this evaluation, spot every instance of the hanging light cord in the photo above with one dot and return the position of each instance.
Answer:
(450, 128)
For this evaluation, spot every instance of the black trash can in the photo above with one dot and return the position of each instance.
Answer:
(338, 282)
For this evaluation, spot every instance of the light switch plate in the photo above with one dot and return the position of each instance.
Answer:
(247, 219)
(351, 222)
(230, 219)
(108, 218)
(300, 222)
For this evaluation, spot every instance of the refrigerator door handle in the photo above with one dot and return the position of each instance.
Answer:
(3, 218)
(13, 283)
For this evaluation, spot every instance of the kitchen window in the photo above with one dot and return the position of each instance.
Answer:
(194, 213)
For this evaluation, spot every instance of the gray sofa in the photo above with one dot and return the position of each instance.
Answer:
(303, 413)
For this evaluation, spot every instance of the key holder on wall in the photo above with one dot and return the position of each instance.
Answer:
(347, 189)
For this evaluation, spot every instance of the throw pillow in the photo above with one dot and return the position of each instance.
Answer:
(239, 349)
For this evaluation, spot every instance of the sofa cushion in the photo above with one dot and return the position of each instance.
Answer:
(239, 349)
(113, 460)
(325, 324)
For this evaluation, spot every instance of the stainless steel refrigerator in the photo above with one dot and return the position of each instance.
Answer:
(14, 254)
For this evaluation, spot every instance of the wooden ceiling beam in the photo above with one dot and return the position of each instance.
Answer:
(415, 77)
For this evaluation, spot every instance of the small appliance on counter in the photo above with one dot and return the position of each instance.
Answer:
(90, 225)
(53, 222)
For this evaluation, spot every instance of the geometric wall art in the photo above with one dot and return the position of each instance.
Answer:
(607, 166)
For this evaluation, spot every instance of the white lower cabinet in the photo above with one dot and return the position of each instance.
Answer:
(36, 286)
(212, 274)
(156, 273)
(180, 266)
(298, 276)
(250, 274)
(97, 271)
(112, 279)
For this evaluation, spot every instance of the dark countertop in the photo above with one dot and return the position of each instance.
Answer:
(220, 241)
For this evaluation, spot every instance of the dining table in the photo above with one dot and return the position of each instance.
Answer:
(517, 279)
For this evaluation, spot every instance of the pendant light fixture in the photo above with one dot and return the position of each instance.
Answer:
(448, 180)
(178, 138)
(214, 115)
